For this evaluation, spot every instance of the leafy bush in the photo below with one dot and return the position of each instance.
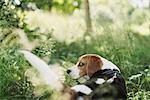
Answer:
(13, 83)
(8, 15)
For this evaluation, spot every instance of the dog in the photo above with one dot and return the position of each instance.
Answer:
(104, 79)
(95, 69)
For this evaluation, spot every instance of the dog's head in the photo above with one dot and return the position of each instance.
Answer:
(87, 65)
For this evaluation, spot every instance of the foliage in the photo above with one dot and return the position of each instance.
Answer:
(45, 48)
(7, 38)
(12, 80)
(119, 43)
(140, 95)
(65, 6)
(136, 84)
(8, 16)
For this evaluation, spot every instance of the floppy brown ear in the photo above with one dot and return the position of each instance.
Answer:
(94, 64)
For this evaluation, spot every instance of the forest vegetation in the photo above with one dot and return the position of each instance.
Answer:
(59, 31)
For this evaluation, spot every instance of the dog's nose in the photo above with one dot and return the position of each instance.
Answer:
(68, 71)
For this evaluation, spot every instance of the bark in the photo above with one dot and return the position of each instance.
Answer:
(88, 16)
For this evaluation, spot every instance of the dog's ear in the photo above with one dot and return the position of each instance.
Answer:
(94, 64)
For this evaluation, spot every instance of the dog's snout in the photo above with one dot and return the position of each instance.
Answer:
(68, 71)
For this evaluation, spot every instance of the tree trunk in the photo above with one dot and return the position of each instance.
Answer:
(50, 4)
(87, 16)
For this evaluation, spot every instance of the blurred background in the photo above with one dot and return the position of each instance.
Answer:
(59, 31)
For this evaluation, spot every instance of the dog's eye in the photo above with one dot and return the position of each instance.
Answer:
(81, 64)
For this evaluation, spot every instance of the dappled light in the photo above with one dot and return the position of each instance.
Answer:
(40, 40)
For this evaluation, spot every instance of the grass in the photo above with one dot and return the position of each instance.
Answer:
(121, 37)
(130, 52)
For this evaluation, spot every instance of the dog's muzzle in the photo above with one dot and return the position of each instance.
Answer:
(74, 72)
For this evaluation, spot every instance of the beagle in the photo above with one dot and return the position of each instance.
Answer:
(104, 79)
(100, 74)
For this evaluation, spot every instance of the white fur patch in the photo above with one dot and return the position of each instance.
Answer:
(108, 64)
(100, 81)
(111, 79)
(82, 88)
(74, 72)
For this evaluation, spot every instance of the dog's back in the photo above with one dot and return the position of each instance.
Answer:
(106, 90)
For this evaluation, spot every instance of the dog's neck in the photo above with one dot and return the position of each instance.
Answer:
(108, 73)
(99, 74)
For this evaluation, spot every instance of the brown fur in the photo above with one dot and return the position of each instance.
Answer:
(91, 64)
